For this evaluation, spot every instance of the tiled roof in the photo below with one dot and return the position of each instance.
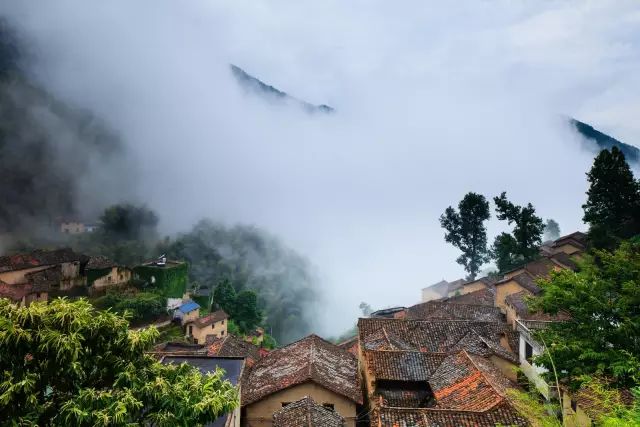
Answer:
(564, 260)
(351, 345)
(306, 413)
(231, 345)
(577, 239)
(99, 263)
(484, 296)
(501, 414)
(210, 319)
(42, 280)
(446, 310)
(39, 258)
(180, 347)
(519, 304)
(310, 359)
(403, 365)
(15, 292)
(189, 306)
(455, 285)
(525, 280)
(439, 336)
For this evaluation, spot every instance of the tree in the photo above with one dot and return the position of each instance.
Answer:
(224, 296)
(551, 230)
(505, 252)
(612, 209)
(65, 363)
(128, 222)
(527, 231)
(603, 301)
(365, 308)
(465, 230)
(246, 312)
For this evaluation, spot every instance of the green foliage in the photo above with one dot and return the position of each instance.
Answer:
(538, 413)
(612, 209)
(128, 222)
(242, 307)
(522, 245)
(608, 405)
(170, 280)
(551, 230)
(269, 342)
(603, 300)
(465, 230)
(252, 259)
(224, 296)
(142, 306)
(64, 363)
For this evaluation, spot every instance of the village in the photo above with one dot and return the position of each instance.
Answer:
(449, 360)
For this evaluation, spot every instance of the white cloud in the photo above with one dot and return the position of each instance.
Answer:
(434, 99)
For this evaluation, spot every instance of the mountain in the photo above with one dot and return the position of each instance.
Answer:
(597, 140)
(270, 93)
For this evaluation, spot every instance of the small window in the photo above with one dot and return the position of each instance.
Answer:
(574, 405)
(190, 330)
(329, 406)
(528, 351)
(285, 404)
(221, 333)
(222, 322)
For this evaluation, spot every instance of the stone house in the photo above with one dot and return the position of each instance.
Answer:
(102, 273)
(187, 312)
(214, 324)
(310, 367)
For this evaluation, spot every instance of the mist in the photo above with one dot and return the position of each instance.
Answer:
(432, 100)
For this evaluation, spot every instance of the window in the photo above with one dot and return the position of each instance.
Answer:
(190, 330)
(528, 351)
(222, 322)
(329, 406)
(574, 405)
(285, 404)
(221, 333)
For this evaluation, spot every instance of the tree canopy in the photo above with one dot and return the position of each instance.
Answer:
(603, 301)
(65, 363)
(612, 209)
(551, 230)
(523, 243)
(465, 229)
(241, 307)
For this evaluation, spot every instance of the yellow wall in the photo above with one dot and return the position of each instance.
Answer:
(117, 276)
(567, 249)
(511, 316)
(18, 276)
(261, 413)
(507, 368)
(219, 329)
(190, 317)
(505, 289)
(472, 287)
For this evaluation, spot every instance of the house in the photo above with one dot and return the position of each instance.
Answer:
(571, 244)
(528, 348)
(307, 413)
(22, 294)
(170, 348)
(518, 309)
(485, 282)
(437, 373)
(495, 341)
(522, 282)
(435, 291)
(455, 287)
(483, 296)
(351, 345)
(582, 408)
(233, 368)
(454, 311)
(187, 312)
(74, 226)
(212, 324)
(390, 313)
(257, 336)
(170, 276)
(311, 367)
(14, 269)
(102, 273)
(232, 346)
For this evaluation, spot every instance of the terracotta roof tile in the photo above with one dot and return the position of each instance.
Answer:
(39, 258)
(100, 262)
(231, 345)
(306, 413)
(447, 310)
(403, 365)
(519, 303)
(210, 319)
(310, 359)
(485, 297)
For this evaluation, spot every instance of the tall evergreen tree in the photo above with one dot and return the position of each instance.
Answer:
(523, 244)
(465, 230)
(224, 296)
(612, 209)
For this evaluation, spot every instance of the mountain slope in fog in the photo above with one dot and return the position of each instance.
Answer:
(56, 160)
(271, 94)
(600, 141)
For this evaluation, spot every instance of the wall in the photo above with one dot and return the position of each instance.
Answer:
(108, 277)
(508, 369)
(513, 273)
(72, 227)
(567, 249)
(18, 276)
(260, 413)
(219, 329)
(35, 297)
(71, 275)
(531, 371)
(472, 287)
(429, 294)
(505, 289)
(171, 280)
(511, 316)
(190, 316)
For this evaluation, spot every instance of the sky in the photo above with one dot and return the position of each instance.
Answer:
(433, 99)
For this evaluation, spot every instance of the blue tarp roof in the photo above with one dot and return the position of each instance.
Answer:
(189, 306)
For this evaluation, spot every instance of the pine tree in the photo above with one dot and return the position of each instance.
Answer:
(465, 230)
(612, 209)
